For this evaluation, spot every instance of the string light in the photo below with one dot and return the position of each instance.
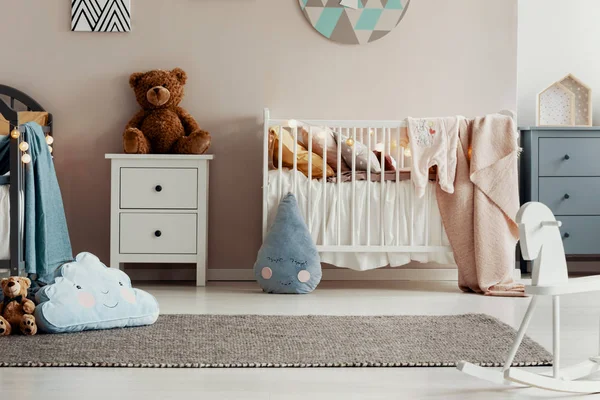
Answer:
(49, 139)
(24, 146)
(50, 149)
(15, 133)
(26, 158)
(292, 123)
(407, 152)
(371, 132)
(350, 142)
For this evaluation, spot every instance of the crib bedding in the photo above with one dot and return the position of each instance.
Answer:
(426, 219)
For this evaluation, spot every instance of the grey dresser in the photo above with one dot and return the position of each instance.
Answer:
(560, 167)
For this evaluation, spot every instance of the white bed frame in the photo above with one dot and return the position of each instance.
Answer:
(386, 132)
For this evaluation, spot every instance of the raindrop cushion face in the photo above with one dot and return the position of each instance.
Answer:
(288, 261)
(88, 295)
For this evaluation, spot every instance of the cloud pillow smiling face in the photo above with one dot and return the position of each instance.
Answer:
(88, 295)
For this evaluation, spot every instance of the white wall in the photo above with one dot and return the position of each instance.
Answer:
(557, 37)
(445, 57)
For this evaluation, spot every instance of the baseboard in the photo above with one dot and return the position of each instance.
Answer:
(337, 274)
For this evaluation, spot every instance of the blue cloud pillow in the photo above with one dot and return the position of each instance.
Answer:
(288, 261)
(88, 295)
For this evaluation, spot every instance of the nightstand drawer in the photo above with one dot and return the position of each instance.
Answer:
(142, 233)
(581, 235)
(159, 188)
(571, 196)
(569, 156)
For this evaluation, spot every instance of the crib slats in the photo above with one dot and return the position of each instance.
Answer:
(382, 204)
(398, 187)
(280, 160)
(324, 196)
(295, 162)
(369, 135)
(310, 176)
(339, 189)
(353, 202)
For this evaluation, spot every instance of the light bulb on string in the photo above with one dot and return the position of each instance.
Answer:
(407, 152)
(292, 123)
(24, 146)
(26, 158)
(50, 149)
(350, 142)
(15, 133)
(49, 139)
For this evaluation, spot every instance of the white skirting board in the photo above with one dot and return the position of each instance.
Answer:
(336, 274)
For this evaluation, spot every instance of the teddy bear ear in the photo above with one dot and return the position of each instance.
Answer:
(26, 281)
(135, 78)
(3, 282)
(180, 75)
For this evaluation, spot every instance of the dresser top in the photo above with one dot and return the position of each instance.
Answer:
(123, 156)
(559, 128)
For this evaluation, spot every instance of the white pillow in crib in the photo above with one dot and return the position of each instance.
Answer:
(364, 157)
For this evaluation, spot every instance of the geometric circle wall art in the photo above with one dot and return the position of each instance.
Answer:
(101, 15)
(354, 21)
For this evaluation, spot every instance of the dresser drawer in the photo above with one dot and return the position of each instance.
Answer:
(581, 235)
(571, 196)
(569, 156)
(142, 233)
(159, 188)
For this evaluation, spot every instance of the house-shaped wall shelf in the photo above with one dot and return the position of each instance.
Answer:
(567, 102)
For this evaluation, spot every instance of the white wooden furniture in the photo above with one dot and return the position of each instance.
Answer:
(159, 210)
(541, 241)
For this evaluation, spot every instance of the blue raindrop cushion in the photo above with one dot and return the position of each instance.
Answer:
(86, 295)
(288, 261)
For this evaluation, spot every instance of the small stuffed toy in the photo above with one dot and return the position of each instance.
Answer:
(16, 310)
(162, 126)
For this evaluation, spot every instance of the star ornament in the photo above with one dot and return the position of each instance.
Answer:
(350, 3)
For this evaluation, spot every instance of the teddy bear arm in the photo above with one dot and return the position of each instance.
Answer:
(136, 121)
(189, 123)
(28, 306)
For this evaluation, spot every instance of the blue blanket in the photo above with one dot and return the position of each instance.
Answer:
(46, 241)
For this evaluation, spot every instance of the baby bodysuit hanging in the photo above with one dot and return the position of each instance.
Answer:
(433, 141)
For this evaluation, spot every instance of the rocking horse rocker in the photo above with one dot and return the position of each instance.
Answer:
(541, 242)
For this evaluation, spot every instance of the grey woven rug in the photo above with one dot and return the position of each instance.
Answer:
(200, 341)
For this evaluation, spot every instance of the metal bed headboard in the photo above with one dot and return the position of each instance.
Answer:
(17, 101)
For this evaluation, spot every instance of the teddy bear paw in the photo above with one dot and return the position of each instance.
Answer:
(28, 306)
(134, 142)
(196, 143)
(4, 327)
(28, 326)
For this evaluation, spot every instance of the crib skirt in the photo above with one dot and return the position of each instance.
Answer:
(403, 224)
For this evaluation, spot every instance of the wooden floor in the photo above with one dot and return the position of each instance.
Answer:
(580, 323)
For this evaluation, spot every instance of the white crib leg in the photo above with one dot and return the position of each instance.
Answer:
(556, 336)
(521, 333)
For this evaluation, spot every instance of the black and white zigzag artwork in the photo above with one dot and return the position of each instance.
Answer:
(101, 15)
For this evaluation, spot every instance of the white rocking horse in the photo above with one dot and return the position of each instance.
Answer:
(541, 241)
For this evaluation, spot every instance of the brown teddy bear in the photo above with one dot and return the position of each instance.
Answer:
(162, 126)
(16, 310)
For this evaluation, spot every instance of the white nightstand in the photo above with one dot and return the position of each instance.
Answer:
(159, 210)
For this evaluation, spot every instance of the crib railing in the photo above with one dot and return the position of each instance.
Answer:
(385, 137)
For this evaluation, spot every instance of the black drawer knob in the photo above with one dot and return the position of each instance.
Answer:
(567, 196)
(567, 156)
(158, 233)
(158, 188)
(566, 235)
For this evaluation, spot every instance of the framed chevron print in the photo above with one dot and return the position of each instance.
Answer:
(354, 21)
(101, 15)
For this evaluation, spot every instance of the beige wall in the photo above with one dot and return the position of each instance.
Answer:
(556, 39)
(446, 57)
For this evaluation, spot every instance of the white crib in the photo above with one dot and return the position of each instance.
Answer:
(413, 236)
